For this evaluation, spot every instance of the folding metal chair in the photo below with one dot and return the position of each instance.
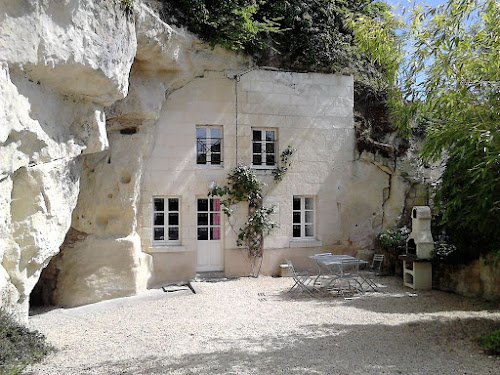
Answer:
(369, 276)
(364, 254)
(302, 282)
(349, 275)
(324, 273)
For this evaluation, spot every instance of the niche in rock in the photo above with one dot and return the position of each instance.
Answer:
(125, 177)
(43, 294)
(128, 131)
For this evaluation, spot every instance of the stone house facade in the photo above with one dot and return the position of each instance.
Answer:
(328, 201)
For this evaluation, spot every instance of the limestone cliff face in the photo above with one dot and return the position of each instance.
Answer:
(61, 62)
(65, 71)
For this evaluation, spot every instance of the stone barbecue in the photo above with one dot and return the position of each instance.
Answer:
(417, 267)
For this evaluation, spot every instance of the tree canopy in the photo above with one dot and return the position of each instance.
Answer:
(443, 70)
(312, 35)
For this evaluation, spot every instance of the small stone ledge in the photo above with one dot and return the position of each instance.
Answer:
(305, 243)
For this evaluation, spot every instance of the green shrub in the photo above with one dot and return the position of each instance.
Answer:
(393, 239)
(392, 243)
(19, 346)
(491, 342)
(444, 250)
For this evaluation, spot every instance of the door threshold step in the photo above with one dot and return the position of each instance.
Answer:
(212, 277)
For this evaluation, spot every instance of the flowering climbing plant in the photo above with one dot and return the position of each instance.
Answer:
(243, 185)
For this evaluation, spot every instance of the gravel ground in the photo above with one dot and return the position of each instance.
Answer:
(252, 326)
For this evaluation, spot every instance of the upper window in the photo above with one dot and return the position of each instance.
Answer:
(303, 216)
(208, 145)
(264, 148)
(166, 220)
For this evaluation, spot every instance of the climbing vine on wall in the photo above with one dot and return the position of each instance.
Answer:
(243, 185)
(286, 162)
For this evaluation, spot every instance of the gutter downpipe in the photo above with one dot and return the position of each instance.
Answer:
(237, 78)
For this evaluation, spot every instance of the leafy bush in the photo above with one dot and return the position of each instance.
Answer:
(468, 196)
(393, 239)
(19, 346)
(243, 185)
(444, 251)
(392, 243)
(491, 342)
(233, 24)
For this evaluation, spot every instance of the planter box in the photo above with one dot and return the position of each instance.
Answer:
(285, 271)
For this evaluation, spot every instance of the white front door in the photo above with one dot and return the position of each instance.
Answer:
(209, 232)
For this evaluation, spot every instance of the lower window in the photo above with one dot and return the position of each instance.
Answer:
(303, 216)
(166, 220)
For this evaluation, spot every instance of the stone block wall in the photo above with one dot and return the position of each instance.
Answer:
(481, 278)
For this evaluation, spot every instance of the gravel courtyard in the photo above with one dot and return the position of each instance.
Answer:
(252, 326)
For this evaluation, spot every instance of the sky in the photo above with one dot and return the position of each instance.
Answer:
(408, 4)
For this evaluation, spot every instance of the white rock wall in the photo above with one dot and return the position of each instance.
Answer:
(107, 262)
(76, 47)
(61, 62)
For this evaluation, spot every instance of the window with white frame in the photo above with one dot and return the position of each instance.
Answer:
(303, 216)
(209, 145)
(166, 220)
(264, 145)
(209, 219)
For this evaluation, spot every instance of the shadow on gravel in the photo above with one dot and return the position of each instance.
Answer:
(415, 302)
(447, 349)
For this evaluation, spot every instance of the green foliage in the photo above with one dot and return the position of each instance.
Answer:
(128, 4)
(243, 185)
(491, 342)
(450, 83)
(445, 252)
(393, 239)
(19, 346)
(308, 35)
(315, 32)
(258, 225)
(392, 243)
(286, 162)
(469, 196)
(233, 24)
(378, 38)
